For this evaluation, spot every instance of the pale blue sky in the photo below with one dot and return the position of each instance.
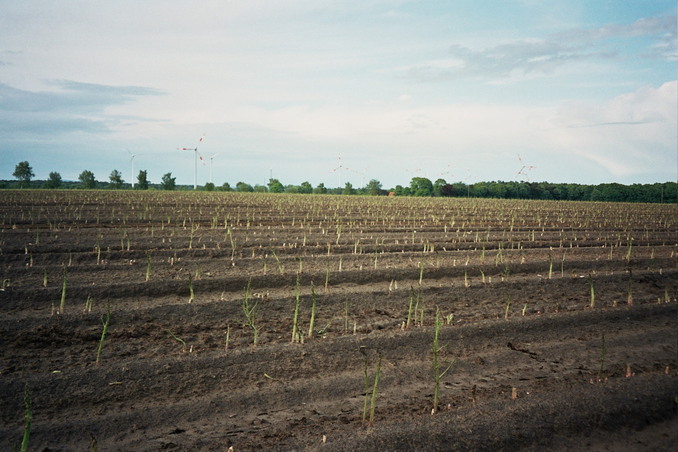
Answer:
(584, 91)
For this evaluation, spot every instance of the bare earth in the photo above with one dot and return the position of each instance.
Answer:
(534, 365)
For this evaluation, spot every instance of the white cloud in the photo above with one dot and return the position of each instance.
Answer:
(70, 107)
(544, 55)
(631, 134)
(292, 84)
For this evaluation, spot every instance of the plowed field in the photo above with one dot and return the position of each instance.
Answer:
(557, 323)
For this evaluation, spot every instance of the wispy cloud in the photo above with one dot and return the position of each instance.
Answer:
(73, 106)
(543, 55)
(289, 86)
(70, 95)
(647, 26)
(632, 134)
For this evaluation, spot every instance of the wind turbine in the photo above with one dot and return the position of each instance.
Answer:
(361, 174)
(132, 162)
(412, 173)
(466, 180)
(212, 161)
(448, 172)
(195, 169)
(339, 168)
(524, 167)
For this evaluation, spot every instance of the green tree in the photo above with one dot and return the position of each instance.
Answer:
(258, 188)
(496, 190)
(169, 183)
(421, 186)
(373, 187)
(243, 187)
(54, 180)
(306, 188)
(480, 190)
(447, 190)
(87, 180)
(402, 191)
(275, 186)
(320, 189)
(209, 186)
(23, 172)
(226, 187)
(142, 180)
(116, 179)
(438, 187)
(348, 189)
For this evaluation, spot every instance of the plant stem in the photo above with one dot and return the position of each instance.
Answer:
(28, 417)
(593, 291)
(181, 341)
(104, 321)
(148, 266)
(367, 390)
(62, 305)
(436, 363)
(312, 322)
(409, 311)
(250, 311)
(230, 237)
(630, 245)
(296, 311)
(190, 288)
(281, 267)
(374, 391)
(629, 297)
(327, 277)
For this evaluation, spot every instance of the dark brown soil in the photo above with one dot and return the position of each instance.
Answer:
(535, 364)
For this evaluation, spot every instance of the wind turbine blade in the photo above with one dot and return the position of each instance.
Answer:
(200, 141)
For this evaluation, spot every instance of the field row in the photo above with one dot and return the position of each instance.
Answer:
(200, 321)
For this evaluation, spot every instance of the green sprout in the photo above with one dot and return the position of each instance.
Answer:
(178, 339)
(250, 310)
(28, 417)
(62, 304)
(295, 319)
(370, 396)
(190, 288)
(148, 266)
(104, 320)
(437, 373)
(313, 308)
(593, 291)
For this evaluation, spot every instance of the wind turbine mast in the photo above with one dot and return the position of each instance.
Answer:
(132, 161)
(195, 167)
(340, 168)
(212, 161)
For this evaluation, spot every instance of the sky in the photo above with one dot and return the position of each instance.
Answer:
(336, 91)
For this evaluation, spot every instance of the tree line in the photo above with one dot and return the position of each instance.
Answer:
(24, 174)
(666, 192)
